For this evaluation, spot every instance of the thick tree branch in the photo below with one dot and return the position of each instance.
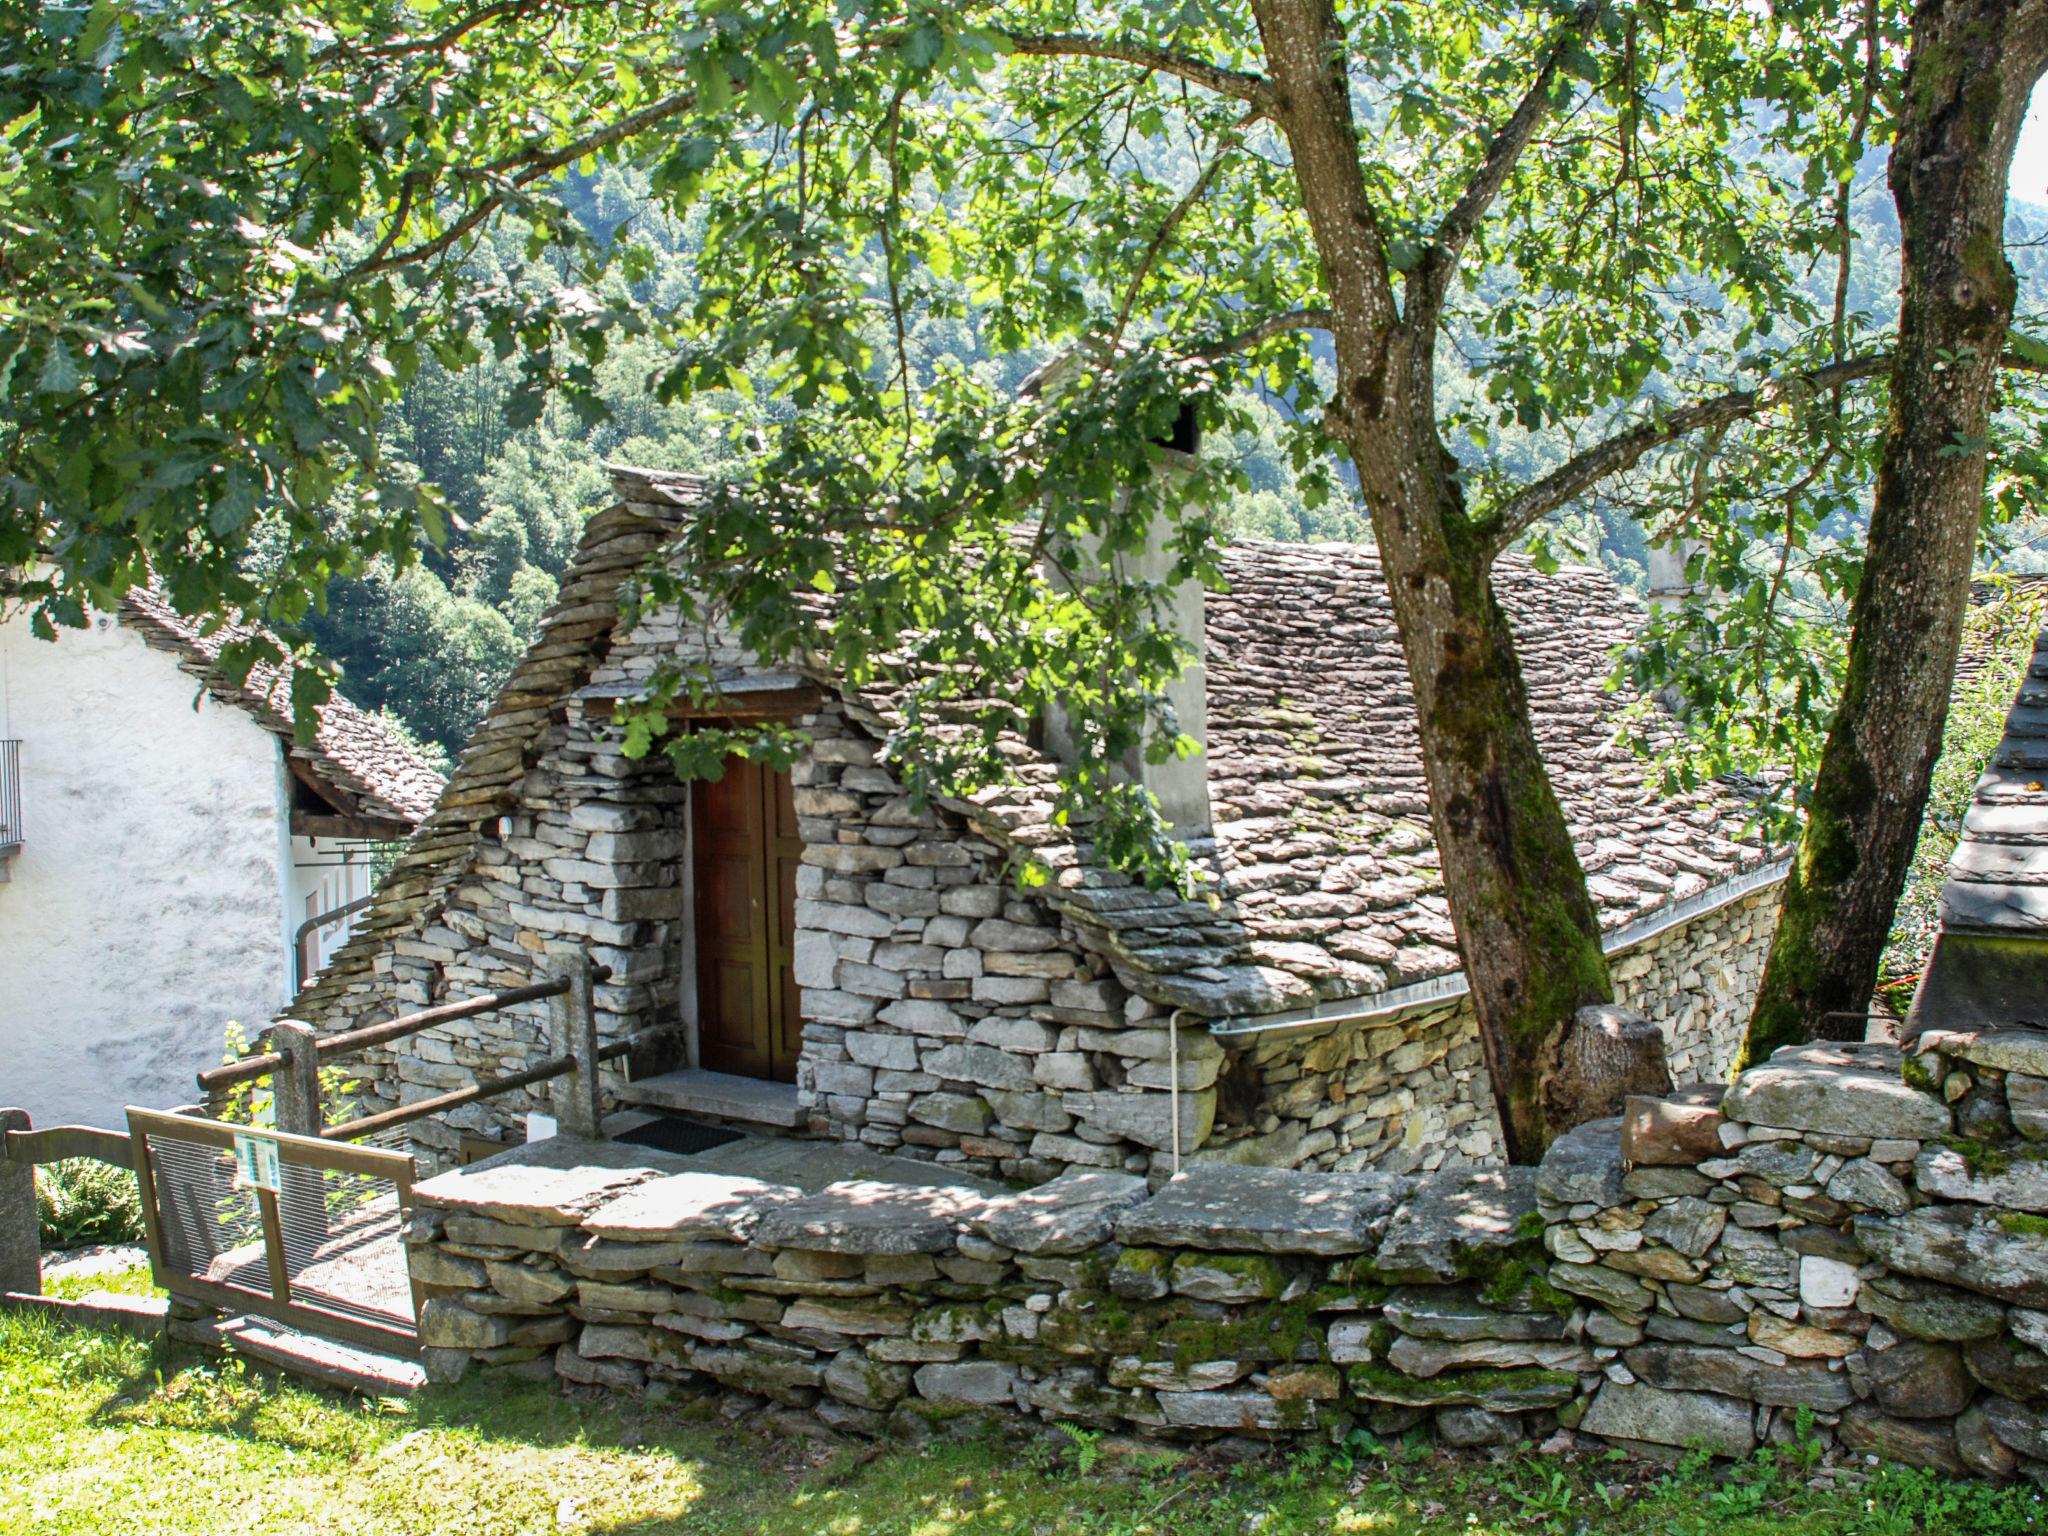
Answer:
(1432, 278)
(1228, 82)
(1265, 330)
(1530, 505)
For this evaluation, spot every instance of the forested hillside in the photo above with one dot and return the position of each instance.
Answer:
(430, 645)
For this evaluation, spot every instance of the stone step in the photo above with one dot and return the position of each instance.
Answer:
(331, 1364)
(744, 1100)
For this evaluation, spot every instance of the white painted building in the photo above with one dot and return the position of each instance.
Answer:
(164, 841)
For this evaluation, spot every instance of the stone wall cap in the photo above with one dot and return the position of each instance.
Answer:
(1839, 1093)
(1267, 1210)
(1584, 1166)
(2020, 1049)
(1073, 1213)
(553, 1183)
(690, 1206)
(866, 1217)
(1453, 1215)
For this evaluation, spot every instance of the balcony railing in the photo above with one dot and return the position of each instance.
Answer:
(10, 796)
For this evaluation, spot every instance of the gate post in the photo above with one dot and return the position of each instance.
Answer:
(572, 1028)
(21, 1244)
(295, 1104)
(295, 1086)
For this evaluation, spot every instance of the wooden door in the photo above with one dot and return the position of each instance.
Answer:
(744, 861)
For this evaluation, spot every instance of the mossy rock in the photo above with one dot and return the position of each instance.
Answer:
(1498, 1391)
(1229, 1277)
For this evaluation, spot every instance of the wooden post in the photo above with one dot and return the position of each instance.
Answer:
(572, 1030)
(295, 1101)
(296, 1084)
(21, 1243)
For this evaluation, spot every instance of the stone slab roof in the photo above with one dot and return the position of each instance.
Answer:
(1322, 841)
(575, 636)
(357, 761)
(1998, 875)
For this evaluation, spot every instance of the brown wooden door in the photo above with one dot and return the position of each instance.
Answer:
(745, 855)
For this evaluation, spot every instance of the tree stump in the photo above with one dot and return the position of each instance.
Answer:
(1607, 1054)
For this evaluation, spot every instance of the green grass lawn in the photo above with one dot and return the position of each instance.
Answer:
(99, 1434)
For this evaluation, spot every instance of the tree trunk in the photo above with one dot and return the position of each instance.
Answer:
(1527, 931)
(1971, 70)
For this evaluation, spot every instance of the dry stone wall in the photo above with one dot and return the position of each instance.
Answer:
(1822, 1251)
(948, 1015)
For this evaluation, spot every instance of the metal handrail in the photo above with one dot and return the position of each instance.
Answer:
(264, 1063)
(313, 924)
(482, 1088)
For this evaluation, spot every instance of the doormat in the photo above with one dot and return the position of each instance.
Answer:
(672, 1135)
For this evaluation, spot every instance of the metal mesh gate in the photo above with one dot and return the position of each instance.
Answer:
(292, 1228)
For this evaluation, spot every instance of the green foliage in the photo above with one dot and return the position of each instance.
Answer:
(81, 1200)
(254, 1102)
(325, 314)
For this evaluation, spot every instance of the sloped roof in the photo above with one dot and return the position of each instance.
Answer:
(1322, 840)
(1316, 776)
(575, 636)
(354, 759)
(1998, 875)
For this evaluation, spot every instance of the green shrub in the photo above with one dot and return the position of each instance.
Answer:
(82, 1200)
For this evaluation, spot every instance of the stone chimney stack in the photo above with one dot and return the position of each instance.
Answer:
(1668, 560)
(1180, 784)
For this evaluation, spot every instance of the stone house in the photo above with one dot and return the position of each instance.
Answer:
(827, 958)
(172, 857)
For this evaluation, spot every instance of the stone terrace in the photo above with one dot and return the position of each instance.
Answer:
(1694, 1274)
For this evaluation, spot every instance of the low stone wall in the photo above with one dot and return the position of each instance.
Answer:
(1820, 1247)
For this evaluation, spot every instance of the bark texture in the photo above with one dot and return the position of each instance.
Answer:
(1971, 70)
(1527, 929)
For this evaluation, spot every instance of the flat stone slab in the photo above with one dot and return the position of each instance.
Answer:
(2019, 1185)
(1452, 1216)
(748, 1100)
(1980, 1250)
(1584, 1166)
(1455, 1314)
(1073, 1213)
(866, 1217)
(551, 1183)
(1266, 1210)
(2005, 1050)
(1722, 1425)
(1835, 1093)
(689, 1207)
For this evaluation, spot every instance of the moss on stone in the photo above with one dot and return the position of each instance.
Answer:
(1382, 1383)
(2022, 1224)
(1146, 1261)
(1916, 1075)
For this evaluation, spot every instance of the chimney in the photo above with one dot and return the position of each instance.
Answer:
(1181, 785)
(1668, 560)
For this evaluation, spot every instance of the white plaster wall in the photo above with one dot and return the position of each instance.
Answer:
(143, 911)
(327, 873)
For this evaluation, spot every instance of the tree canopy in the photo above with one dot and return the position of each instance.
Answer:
(1463, 261)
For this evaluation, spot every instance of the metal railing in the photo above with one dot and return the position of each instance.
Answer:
(301, 941)
(294, 1060)
(10, 796)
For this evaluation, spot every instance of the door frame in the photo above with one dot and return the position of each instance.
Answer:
(789, 705)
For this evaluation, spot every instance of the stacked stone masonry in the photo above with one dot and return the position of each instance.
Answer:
(1847, 1244)
(956, 1015)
